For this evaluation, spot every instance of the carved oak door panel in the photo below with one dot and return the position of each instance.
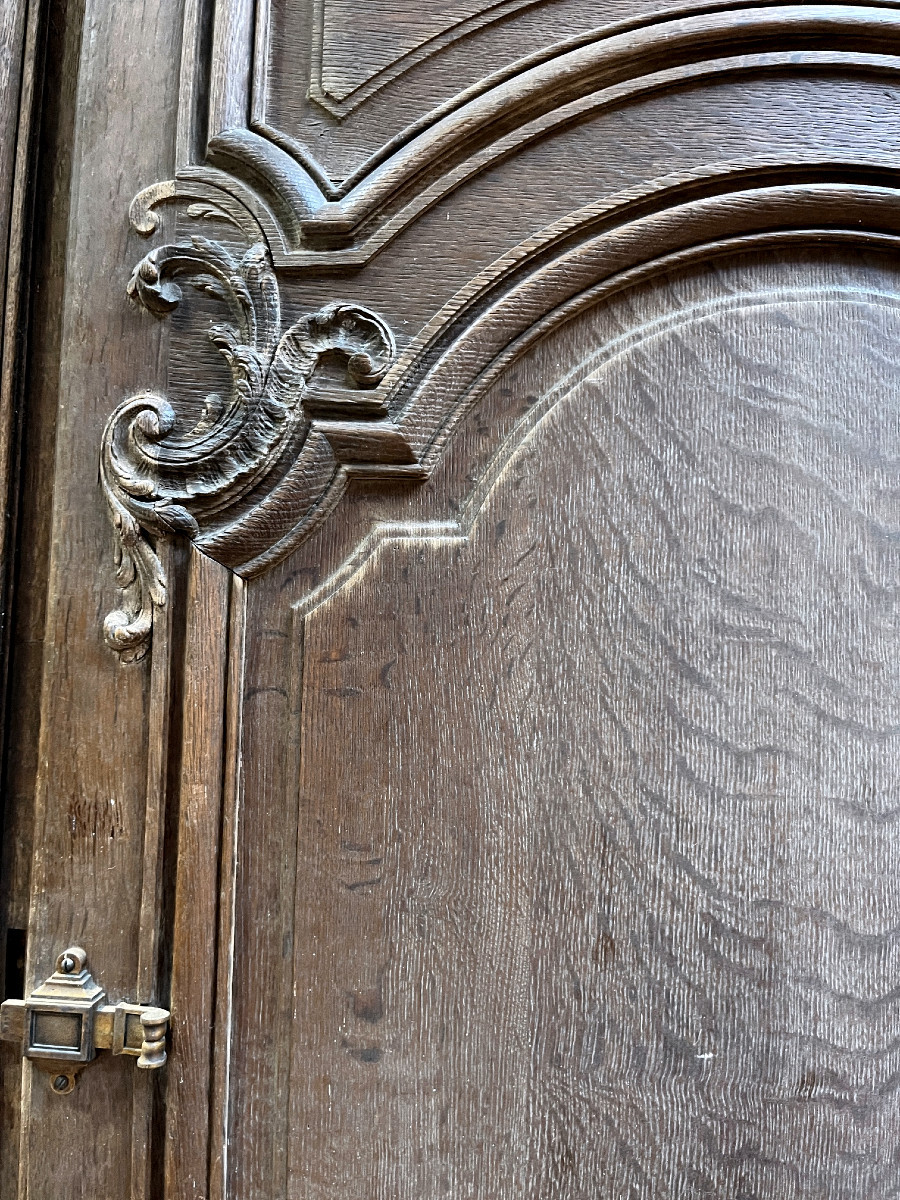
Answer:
(505, 658)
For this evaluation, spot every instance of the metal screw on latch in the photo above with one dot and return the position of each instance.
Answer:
(71, 961)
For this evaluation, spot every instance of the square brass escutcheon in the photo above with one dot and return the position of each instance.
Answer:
(56, 1031)
(59, 1030)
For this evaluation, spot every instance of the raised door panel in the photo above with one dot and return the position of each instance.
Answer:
(592, 785)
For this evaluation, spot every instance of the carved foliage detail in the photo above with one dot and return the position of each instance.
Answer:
(159, 479)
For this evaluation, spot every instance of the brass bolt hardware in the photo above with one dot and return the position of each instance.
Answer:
(155, 1022)
(66, 1020)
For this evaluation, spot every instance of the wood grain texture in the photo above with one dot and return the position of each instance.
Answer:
(18, 68)
(193, 957)
(109, 103)
(352, 51)
(20, 71)
(595, 883)
(563, 82)
(523, 825)
(335, 86)
(260, 470)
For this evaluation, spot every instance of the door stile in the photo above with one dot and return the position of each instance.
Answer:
(21, 70)
(231, 808)
(159, 723)
(163, 751)
(202, 778)
(89, 881)
(21, 32)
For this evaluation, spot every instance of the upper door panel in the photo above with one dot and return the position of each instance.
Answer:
(566, 854)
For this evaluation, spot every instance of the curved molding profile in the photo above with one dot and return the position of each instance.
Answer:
(344, 101)
(308, 217)
(457, 531)
(602, 249)
(266, 464)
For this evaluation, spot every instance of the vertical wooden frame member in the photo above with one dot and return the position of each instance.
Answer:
(21, 69)
(231, 805)
(151, 923)
(88, 880)
(205, 680)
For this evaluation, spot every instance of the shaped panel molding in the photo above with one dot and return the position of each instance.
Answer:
(266, 464)
(269, 458)
(356, 49)
(313, 213)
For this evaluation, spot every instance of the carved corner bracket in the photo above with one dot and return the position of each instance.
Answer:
(270, 435)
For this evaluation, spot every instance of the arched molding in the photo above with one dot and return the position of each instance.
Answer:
(603, 248)
(584, 258)
(310, 218)
(459, 529)
(267, 464)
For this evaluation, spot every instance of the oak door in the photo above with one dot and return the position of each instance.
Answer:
(479, 721)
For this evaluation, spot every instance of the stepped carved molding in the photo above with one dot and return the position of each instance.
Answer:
(310, 218)
(267, 463)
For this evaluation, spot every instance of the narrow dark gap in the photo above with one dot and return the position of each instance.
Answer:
(14, 964)
(22, 436)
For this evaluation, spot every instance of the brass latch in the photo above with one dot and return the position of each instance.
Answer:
(66, 1020)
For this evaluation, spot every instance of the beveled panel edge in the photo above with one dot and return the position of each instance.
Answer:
(406, 207)
(459, 528)
(341, 106)
(603, 247)
(584, 258)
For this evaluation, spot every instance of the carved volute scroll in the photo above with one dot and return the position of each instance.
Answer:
(159, 480)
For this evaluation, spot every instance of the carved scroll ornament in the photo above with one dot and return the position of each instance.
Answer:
(159, 480)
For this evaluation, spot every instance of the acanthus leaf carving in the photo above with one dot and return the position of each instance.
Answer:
(159, 480)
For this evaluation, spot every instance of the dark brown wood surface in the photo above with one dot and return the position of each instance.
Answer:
(595, 872)
(20, 67)
(78, 764)
(500, 791)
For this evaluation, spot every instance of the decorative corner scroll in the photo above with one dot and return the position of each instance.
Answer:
(159, 479)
